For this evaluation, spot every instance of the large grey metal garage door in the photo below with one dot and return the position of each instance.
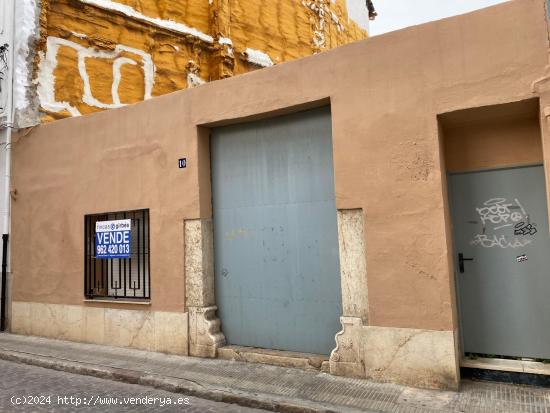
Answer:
(275, 233)
(501, 223)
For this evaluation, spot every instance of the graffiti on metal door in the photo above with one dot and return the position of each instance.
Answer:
(504, 224)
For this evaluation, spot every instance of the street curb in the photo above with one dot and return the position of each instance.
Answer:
(176, 385)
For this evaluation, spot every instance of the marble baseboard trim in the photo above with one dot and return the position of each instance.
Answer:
(419, 358)
(165, 332)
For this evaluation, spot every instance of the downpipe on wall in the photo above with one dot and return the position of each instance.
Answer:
(6, 227)
(4, 280)
(6, 191)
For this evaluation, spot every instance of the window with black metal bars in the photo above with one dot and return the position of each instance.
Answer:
(126, 278)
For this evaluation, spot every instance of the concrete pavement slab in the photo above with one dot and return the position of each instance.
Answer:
(263, 386)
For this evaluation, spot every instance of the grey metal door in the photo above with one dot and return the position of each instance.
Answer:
(500, 222)
(275, 233)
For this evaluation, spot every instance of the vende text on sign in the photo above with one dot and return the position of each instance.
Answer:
(113, 239)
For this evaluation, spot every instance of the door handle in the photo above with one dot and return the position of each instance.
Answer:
(461, 260)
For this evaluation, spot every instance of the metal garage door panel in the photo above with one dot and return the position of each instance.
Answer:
(275, 233)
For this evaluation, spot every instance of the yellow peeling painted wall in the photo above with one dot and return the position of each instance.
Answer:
(100, 54)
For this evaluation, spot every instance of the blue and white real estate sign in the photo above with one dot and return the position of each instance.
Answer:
(113, 239)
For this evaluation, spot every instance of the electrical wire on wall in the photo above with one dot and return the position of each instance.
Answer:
(3, 66)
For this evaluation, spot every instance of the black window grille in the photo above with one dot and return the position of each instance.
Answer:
(117, 278)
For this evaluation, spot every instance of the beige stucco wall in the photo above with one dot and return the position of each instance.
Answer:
(498, 136)
(385, 94)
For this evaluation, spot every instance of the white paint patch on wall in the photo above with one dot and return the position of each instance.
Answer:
(224, 41)
(257, 57)
(357, 11)
(194, 80)
(46, 83)
(193, 75)
(318, 7)
(336, 21)
(323, 12)
(117, 64)
(25, 23)
(48, 63)
(167, 24)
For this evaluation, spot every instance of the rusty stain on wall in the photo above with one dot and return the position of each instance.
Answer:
(102, 54)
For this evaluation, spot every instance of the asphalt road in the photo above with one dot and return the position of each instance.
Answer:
(35, 389)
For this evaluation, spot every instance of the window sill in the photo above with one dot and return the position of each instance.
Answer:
(113, 301)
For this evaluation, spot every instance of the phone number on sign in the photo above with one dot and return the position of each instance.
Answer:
(113, 249)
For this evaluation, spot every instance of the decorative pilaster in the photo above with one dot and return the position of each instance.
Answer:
(222, 61)
(205, 336)
(345, 359)
(353, 267)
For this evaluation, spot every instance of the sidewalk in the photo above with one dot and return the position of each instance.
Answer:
(266, 387)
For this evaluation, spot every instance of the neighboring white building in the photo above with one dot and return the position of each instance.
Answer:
(357, 11)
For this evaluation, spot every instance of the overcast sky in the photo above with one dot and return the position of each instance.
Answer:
(396, 14)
